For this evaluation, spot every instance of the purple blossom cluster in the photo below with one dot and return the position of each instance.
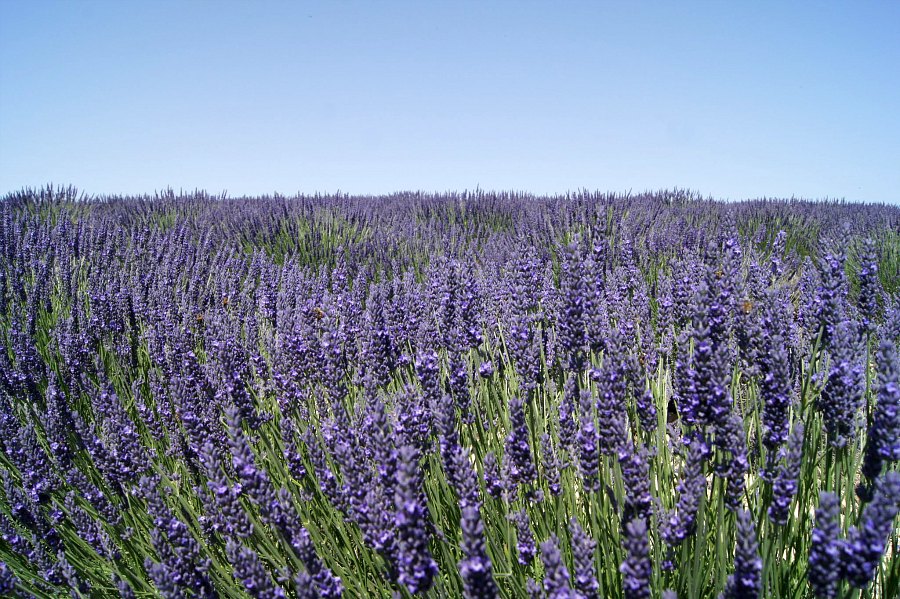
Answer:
(856, 556)
(476, 394)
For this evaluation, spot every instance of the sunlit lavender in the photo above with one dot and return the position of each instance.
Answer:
(463, 395)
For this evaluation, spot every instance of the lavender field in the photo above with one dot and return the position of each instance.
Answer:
(464, 395)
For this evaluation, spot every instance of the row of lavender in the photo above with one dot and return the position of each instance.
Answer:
(469, 395)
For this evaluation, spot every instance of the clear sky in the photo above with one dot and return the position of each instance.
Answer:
(733, 100)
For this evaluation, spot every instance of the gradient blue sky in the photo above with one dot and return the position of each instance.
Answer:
(732, 100)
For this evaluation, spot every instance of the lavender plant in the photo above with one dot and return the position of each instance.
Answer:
(448, 395)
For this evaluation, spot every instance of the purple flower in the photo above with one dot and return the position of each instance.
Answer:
(746, 582)
(530, 368)
(596, 313)
(414, 418)
(334, 366)
(691, 489)
(891, 327)
(864, 547)
(707, 379)
(611, 414)
(636, 479)
(523, 345)
(831, 296)
(8, 580)
(251, 572)
(775, 391)
(469, 309)
(428, 367)
(38, 478)
(379, 354)
(518, 445)
(842, 398)
(749, 329)
(125, 590)
(870, 289)
(583, 548)
(552, 465)
(327, 584)
(57, 421)
(475, 569)
(572, 322)
(448, 436)
(533, 589)
(305, 587)
(556, 576)
(787, 475)
(459, 387)
(824, 553)
(327, 482)
(254, 480)
(525, 546)
(292, 455)
(730, 438)
(486, 369)
(349, 455)
(94, 496)
(465, 481)
(636, 569)
(493, 481)
(665, 315)
(380, 440)
(646, 409)
(123, 457)
(175, 544)
(417, 568)
(588, 444)
(883, 439)
(233, 370)
(227, 496)
(162, 579)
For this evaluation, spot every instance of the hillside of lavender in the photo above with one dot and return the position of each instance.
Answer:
(466, 394)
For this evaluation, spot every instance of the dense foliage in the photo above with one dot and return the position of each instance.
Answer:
(479, 395)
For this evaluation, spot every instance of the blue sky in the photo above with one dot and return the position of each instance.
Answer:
(734, 100)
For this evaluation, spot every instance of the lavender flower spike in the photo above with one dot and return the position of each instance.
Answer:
(552, 465)
(583, 547)
(518, 445)
(746, 581)
(691, 490)
(328, 586)
(524, 537)
(493, 481)
(842, 396)
(556, 577)
(824, 552)
(864, 547)
(636, 569)
(416, 566)
(883, 440)
(7, 580)
(250, 571)
(475, 568)
(588, 445)
(787, 475)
